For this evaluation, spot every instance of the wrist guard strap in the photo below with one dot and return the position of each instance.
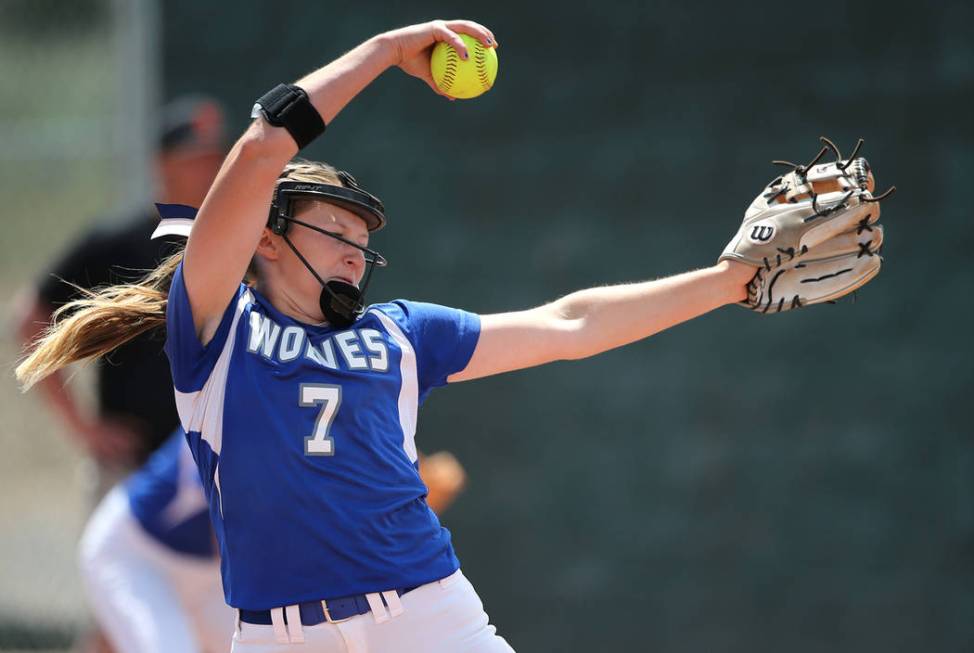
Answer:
(288, 106)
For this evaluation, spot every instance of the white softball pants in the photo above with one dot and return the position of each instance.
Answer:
(146, 597)
(445, 616)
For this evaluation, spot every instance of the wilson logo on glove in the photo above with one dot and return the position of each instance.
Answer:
(762, 233)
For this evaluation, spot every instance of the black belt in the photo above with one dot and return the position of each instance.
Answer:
(315, 612)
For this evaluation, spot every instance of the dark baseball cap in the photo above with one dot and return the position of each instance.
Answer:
(193, 122)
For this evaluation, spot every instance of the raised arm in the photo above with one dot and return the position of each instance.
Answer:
(232, 218)
(592, 321)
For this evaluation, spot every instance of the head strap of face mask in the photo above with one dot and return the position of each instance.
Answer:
(349, 196)
(341, 302)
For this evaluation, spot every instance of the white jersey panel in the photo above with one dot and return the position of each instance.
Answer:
(202, 411)
(409, 393)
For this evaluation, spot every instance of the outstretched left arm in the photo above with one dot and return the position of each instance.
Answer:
(592, 321)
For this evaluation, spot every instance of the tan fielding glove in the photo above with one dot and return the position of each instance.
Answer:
(811, 233)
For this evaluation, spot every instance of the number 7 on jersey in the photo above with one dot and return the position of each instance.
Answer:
(330, 397)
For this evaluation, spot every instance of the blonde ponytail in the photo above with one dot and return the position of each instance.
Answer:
(106, 318)
(100, 321)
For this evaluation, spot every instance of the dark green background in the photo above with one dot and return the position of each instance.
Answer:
(803, 482)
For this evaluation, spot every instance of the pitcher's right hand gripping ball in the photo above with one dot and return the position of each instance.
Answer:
(464, 79)
(811, 233)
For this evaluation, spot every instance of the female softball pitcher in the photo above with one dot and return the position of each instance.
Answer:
(300, 402)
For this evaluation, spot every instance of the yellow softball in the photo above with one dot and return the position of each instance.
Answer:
(464, 79)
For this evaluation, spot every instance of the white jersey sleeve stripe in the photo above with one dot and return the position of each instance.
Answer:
(202, 411)
(409, 390)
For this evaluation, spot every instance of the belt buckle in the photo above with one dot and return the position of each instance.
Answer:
(324, 607)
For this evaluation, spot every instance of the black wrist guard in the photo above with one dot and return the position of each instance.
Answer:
(288, 106)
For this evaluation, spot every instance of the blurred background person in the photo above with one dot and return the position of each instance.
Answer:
(149, 564)
(135, 409)
(135, 406)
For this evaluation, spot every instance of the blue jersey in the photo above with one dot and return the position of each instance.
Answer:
(166, 498)
(304, 438)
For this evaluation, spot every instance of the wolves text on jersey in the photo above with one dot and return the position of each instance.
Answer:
(354, 349)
